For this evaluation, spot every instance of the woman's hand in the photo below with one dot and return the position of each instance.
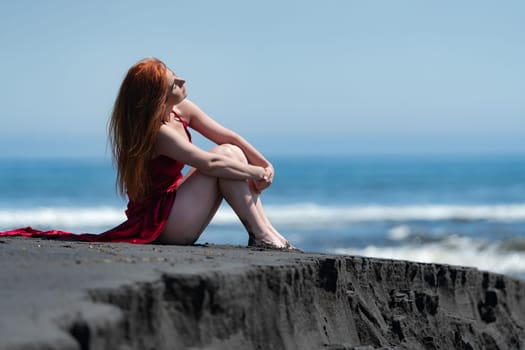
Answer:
(260, 185)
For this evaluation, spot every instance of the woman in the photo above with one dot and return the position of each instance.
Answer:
(151, 143)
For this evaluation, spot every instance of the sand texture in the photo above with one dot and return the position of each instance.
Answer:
(67, 295)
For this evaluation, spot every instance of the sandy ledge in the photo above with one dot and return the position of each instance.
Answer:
(66, 295)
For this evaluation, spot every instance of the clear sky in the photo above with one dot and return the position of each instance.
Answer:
(325, 77)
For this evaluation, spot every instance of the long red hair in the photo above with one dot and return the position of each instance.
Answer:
(135, 121)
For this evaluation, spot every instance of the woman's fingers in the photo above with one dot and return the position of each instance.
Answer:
(259, 185)
(268, 173)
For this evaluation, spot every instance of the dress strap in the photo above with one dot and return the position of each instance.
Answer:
(184, 123)
(180, 119)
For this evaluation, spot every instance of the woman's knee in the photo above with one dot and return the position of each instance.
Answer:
(231, 151)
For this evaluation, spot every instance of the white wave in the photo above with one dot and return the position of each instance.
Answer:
(454, 250)
(312, 214)
(399, 233)
(300, 216)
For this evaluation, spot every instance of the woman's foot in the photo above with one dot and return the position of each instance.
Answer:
(292, 248)
(286, 246)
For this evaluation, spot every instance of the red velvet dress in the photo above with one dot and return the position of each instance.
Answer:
(145, 219)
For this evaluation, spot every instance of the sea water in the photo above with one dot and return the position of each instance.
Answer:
(461, 210)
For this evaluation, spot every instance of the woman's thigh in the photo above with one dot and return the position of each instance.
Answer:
(196, 202)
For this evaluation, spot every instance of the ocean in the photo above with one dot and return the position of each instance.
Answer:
(459, 210)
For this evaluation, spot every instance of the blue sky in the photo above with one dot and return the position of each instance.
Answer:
(332, 77)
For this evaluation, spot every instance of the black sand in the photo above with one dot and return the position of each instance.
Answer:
(66, 295)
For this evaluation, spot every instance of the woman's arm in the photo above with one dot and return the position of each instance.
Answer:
(217, 133)
(172, 144)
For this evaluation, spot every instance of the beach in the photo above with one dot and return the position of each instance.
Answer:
(72, 295)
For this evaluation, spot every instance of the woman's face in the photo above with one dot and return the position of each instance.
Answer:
(176, 88)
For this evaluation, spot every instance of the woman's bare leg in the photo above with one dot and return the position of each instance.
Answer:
(239, 155)
(199, 197)
(268, 223)
(245, 202)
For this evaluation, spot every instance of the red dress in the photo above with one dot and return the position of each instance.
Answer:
(146, 219)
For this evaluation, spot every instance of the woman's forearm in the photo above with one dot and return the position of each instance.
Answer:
(224, 167)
